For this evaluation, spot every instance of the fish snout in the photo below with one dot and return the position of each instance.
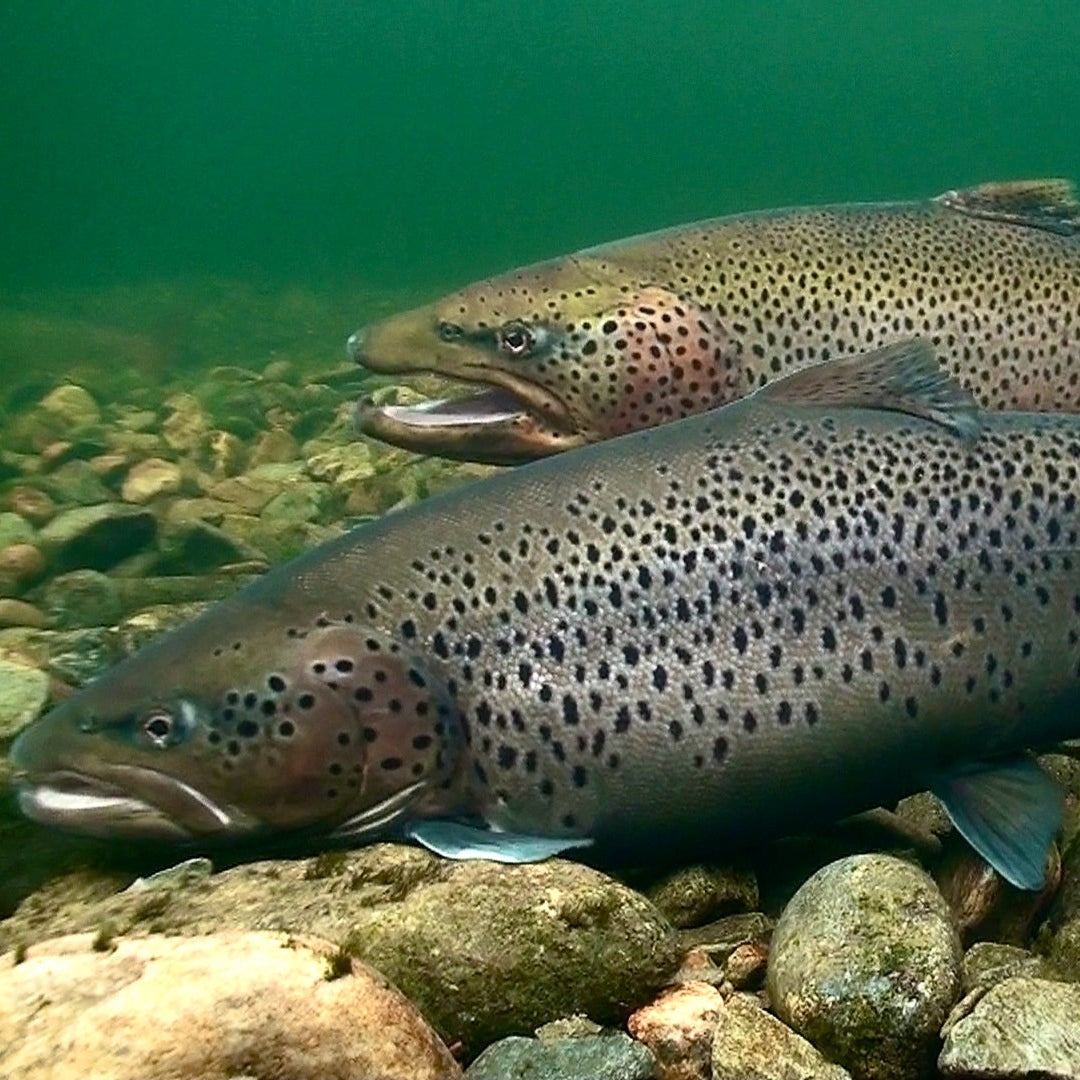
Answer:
(354, 346)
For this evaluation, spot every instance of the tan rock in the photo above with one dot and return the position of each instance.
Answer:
(678, 1028)
(20, 613)
(21, 562)
(224, 455)
(186, 425)
(275, 445)
(34, 505)
(74, 406)
(216, 1007)
(751, 1044)
(150, 479)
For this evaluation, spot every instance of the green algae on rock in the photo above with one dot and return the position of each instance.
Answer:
(611, 1056)
(519, 945)
(865, 963)
(695, 895)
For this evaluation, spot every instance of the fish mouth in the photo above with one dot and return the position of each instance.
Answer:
(505, 424)
(163, 808)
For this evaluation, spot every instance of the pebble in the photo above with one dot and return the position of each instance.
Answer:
(15, 529)
(695, 895)
(865, 963)
(1019, 1028)
(76, 482)
(81, 598)
(97, 537)
(151, 479)
(678, 1028)
(24, 689)
(196, 547)
(275, 445)
(595, 1057)
(987, 963)
(267, 1005)
(73, 405)
(21, 563)
(32, 504)
(751, 1044)
(301, 501)
(20, 613)
(186, 426)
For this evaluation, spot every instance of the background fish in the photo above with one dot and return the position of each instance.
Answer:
(657, 327)
(842, 589)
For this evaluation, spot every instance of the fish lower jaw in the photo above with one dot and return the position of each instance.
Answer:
(95, 807)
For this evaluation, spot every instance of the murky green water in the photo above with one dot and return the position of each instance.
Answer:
(411, 146)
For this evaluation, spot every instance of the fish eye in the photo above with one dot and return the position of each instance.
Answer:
(158, 726)
(449, 331)
(516, 339)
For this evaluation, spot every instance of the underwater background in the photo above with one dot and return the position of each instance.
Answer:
(373, 153)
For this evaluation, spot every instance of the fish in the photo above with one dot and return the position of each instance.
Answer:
(848, 586)
(650, 329)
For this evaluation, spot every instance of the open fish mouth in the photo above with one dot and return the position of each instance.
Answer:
(96, 807)
(499, 425)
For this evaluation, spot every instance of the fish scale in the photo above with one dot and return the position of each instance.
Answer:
(705, 633)
(646, 330)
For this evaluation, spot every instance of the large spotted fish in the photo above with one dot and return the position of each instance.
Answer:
(846, 587)
(657, 327)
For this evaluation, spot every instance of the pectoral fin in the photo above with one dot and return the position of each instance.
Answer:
(1037, 204)
(1009, 812)
(456, 840)
(902, 377)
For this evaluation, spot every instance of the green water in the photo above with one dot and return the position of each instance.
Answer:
(411, 146)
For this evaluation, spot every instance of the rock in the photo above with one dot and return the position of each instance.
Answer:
(195, 547)
(750, 1044)
(141, 628)
(698, 894)
(745, 967)
(81, 598)
(267, 1005)
(15, 529)
(97, 537)
(186, 425)
(987, 963)
(520, 945)
(24, 689)
(251, 491)
(720, 938)
(173, 589)
(225, 455)
(1059, 938)
(280, 371)
(76, 484)
(344, 466)
(73, 406)
(32, 504)
(865, 963)
(678, 1028)
(1019, 1028)
(302, 501)
(597, 1057)
(275, 445)
(150, 479)
(986, 906)
(278, 541)
(109, 468)
(21, 563)
(20, 613)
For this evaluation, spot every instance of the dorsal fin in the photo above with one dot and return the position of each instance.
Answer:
(903, 377)
(1039, 204)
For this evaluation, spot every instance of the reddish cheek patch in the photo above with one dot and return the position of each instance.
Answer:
(655, 359)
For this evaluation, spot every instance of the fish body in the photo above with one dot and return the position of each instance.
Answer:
(650, 329)
(847, 587)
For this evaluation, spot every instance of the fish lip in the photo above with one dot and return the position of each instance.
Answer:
(505, 422)
(96, 806)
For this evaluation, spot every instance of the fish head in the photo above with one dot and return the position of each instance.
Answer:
(227, 728)
(569, 352)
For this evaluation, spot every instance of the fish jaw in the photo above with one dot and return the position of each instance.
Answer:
(59, 784)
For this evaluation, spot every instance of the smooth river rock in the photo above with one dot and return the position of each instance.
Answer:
(217, 1008)
(587, 1057)
(865, 963)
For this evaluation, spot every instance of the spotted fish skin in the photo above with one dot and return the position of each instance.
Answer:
(709, 632)
(650, 329)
